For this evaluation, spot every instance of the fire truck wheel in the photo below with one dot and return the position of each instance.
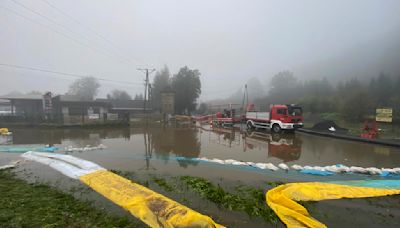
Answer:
(276, 128)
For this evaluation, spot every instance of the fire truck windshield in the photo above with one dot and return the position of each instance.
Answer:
(295, 111)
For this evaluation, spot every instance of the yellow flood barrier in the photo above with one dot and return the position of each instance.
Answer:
(282, 199)
(152, 208)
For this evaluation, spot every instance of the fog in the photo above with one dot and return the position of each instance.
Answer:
(229, 42)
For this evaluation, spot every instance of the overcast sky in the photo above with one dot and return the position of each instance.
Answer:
(228, 41)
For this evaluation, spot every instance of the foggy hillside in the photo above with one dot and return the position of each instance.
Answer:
(364, 61)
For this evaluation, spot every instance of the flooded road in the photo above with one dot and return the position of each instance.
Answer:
(156, 148)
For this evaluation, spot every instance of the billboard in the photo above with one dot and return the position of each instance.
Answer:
(384, 115)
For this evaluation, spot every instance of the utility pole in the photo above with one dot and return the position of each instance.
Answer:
(146, 84)
(247, 96)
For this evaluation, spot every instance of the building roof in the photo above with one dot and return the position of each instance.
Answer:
(126, 104)
(76, 99)
(71, 98)
(21, 97)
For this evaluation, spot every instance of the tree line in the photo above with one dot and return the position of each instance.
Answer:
(352, 99)
(185, 84)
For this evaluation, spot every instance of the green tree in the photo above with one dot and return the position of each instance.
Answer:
(356, 106)
(187, 87)
(85, 88)
(161, 83)
(119, 95)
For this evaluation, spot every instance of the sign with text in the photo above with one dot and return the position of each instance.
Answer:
(94, 116)
(384, 115)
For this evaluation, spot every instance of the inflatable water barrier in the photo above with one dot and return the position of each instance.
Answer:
(152, 208)
(313, 170)
(9, 149)
(86, 148)
(282, 199)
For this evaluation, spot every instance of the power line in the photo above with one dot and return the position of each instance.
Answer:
(61, 25)
(60, 33)
(86, 27)
(64, 73)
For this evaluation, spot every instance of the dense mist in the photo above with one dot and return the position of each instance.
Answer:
(230, 43)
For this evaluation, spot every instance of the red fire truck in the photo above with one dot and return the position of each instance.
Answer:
(279, 117)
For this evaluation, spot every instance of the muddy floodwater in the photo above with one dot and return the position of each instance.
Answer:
(156, 150)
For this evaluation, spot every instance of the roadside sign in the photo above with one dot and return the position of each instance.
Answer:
(384, 115)
(94, 116)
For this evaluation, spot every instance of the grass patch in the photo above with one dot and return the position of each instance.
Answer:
(248, 199)
(274, 184)
(163, 184)
(35, 205)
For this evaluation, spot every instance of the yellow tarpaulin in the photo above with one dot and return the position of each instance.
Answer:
(3, 131)
(282, 199)
(152, 208)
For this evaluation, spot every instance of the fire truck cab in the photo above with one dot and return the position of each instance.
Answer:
(279, 117)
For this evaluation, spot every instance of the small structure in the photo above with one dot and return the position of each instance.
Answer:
(168, 102)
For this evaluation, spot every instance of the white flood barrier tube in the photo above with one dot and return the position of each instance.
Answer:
(86, 148)
(83, 164)
(330, 168)
(297, 167)
(73, 168)
(283, 166)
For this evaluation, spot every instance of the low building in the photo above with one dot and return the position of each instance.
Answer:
(68, 109)
(127, 106)
(61, 109)
(126, 109)
(71, 110)
(28, 108)
(5, 107)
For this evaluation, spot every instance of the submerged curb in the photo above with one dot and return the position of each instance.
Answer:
(350, 137)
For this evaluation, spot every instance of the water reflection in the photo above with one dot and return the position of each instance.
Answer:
(283, 146)
(179, 141)
(226, 136)
(164, 143)
(80, 137)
